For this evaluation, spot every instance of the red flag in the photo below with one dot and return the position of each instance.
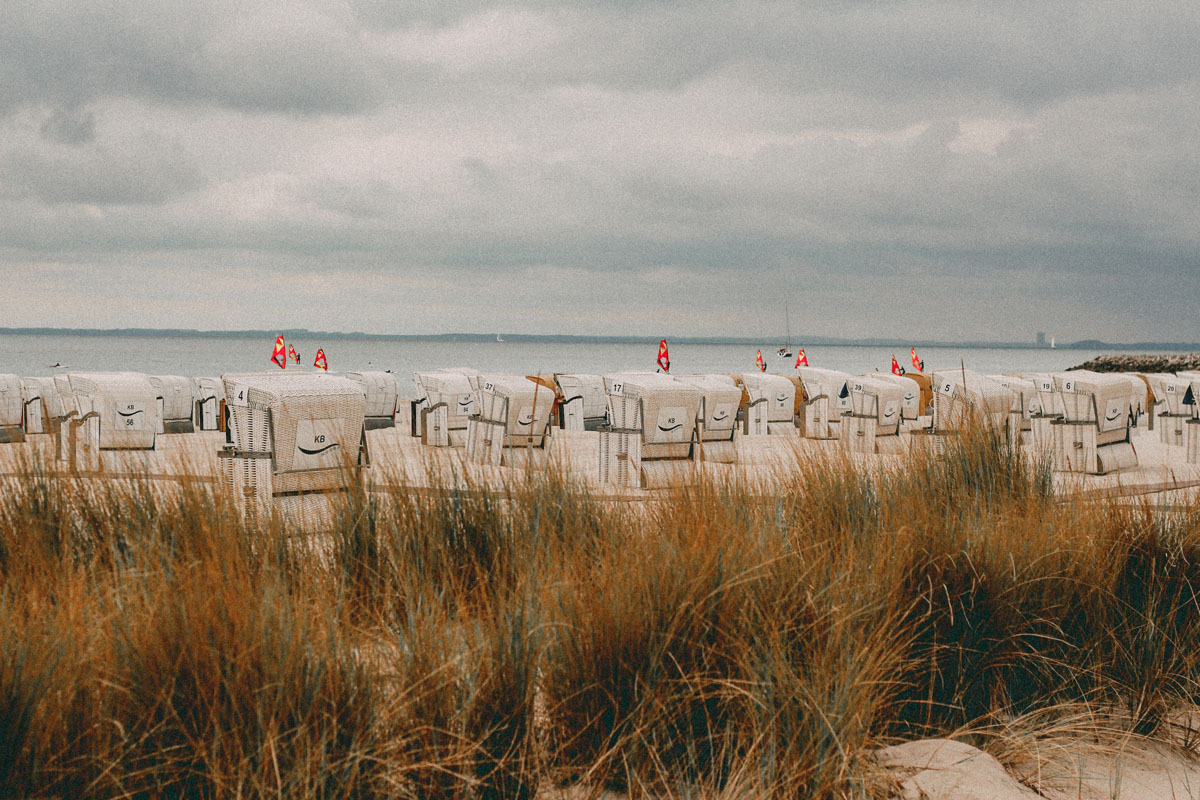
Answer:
(664, 358)
(916, 361)
(321, 363)
(758, 361)
(293, 355)
(278, 356)
(801, 359)
(896, 367)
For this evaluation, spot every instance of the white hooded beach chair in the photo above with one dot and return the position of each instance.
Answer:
(873, 422)
(828, 401)
(442, 414)
(382, 395)
(113, 411)
(776, 394)
(584, 402)
(12, 409)
(1137, 396)
(1026, 402)
(294, 440)
(650, 441)
(176, 403)
(910, 405)
(1171, 415)
(1093, 435)
(963, 397)
(1049, 408)
(210, 393)
(716, 418)
(513, 423)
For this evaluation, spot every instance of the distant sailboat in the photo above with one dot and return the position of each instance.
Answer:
(1051, 342)
(498, 339)
(786, 351)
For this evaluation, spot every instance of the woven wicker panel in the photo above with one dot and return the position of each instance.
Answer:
(309, 513)
(435, 430)
(859, 433)
(1172, 429)
(1075, 448)
(620, 458)
(816, 420)
(315, 480)
(248, 479)
(624, 413)
(757, 413)
(485, 442)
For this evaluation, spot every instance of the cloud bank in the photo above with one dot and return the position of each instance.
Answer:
(924, 169)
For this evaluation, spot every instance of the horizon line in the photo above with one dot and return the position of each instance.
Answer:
(814, 341)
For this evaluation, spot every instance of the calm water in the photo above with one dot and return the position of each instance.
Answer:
(195, 356)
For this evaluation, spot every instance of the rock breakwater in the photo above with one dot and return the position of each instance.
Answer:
(1123, 362)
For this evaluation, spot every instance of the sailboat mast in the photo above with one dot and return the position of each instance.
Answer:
(788, 321)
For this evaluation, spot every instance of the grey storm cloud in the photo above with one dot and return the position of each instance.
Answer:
(586, 167)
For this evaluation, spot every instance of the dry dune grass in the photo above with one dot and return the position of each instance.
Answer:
(721, 641)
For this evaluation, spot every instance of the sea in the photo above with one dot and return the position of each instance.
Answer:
(31, 355)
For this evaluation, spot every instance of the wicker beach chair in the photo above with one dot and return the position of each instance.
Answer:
(382, 394)
(293, 441)
(176, 403)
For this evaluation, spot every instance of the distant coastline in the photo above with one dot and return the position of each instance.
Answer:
(514, 338)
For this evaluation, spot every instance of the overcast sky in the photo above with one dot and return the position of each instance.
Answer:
(935, 170)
